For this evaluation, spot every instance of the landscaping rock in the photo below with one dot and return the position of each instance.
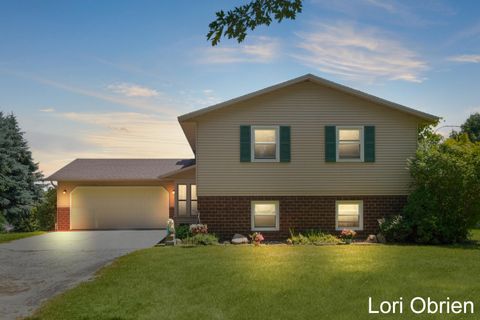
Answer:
(226, 243)
(381, 238)
(239, 239)
(372, 239)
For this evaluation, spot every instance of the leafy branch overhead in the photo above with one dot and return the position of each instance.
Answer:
(235, 23)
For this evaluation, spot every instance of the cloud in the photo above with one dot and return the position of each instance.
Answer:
(133, 90)
(133, 102)
(357, 53)
(254, 50)
(108, 135)
(131, 134)
(47, 110)
(469, 58)
(414, 14)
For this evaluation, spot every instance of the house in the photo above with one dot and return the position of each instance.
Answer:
(304, 154)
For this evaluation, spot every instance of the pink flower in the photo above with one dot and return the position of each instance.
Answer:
(257, 237)
(347, 234)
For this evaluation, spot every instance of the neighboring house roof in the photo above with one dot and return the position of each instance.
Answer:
(310, 77)
(119, 169)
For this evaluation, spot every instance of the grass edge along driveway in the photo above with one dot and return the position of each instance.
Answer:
(7, 237)
(271, 282)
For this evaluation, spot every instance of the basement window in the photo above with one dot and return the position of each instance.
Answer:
(349, 215)
(265, 215)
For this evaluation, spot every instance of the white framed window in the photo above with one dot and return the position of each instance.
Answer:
(349, 144)
(186, 200)
(349, 214)
(193, 200)
(265, 144)
(265, 215)
(182, 196)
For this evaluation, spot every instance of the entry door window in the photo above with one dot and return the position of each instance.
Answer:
(182, 200)
(193, 199)
(187, 199)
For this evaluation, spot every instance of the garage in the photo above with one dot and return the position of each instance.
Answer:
(118, 207)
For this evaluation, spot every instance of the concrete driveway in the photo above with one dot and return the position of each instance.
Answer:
(34, 269)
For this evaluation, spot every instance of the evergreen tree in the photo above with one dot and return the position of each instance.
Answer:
(18, 174)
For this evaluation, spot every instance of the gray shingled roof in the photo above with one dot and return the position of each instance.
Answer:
(118, 169)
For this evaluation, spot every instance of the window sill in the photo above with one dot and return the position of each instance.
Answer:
(265, 160)
(346, 228)
(265, 229)
(350, 160)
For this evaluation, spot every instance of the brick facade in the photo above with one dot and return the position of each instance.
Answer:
(63, 218)
(228, 215)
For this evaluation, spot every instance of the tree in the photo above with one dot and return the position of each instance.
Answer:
(472, 127)
(445, 201)
(235, 23)
(46, 210)
(18, 174)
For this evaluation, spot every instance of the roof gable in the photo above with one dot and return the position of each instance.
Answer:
(315, 79)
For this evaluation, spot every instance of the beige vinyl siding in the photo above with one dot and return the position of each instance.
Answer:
(307, 108)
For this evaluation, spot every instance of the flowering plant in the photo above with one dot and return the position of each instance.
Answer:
(198, 229)
(347, 235)
(257, 238)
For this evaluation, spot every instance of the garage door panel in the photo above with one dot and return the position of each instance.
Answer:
(119, 207)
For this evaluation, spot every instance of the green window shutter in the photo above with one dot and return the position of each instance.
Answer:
(284, 144)
(245, 141)
(369, 144)
(330, 144)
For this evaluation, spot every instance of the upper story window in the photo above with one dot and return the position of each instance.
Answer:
(349, 144)
(265, 146)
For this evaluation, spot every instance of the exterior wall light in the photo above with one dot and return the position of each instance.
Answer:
(64, 191)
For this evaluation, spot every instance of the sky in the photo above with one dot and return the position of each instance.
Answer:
(107, 79)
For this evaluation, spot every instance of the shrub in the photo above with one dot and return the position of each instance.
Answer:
(315, 237)
(202, 239)
(45, 211)
(182, 231)
(445, 201)
(3, 222)
(395, 229)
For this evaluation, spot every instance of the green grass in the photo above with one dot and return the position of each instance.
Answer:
(7, 237)
(271, 282)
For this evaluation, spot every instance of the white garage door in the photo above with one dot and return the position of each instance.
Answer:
(118, 208)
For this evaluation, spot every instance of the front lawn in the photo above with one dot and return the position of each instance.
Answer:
(7, 237)
(271, 282)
